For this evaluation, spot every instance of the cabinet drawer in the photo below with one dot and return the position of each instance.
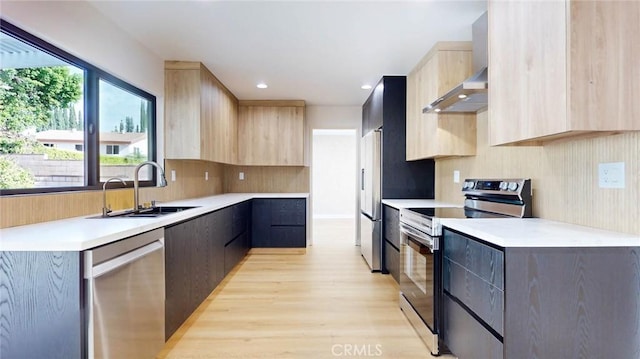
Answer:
(288, 237)
(465, 337)
(392, 260)
(241, 217)
(483, 298)
(288, 212)
(484, 261)
(392, 225)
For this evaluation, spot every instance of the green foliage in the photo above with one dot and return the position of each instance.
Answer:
(118, 160)
(14, 176)
(27, 96)
(16, 143)
(144, 115)
(128, 124)
(58, 154)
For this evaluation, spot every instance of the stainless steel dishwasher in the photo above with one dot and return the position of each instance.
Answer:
(126, 297)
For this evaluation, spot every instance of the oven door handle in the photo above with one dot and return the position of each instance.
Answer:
(418, 239)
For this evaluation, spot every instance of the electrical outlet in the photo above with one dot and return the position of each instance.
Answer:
(611, 175)
(173, 175)
(456, 176)
(206, 176)
(241, 176)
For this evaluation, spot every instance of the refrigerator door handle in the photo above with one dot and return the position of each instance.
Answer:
(362, 180)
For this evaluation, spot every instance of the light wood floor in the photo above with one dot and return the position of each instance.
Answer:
(323, 304)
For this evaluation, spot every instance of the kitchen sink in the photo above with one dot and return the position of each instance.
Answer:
(152, 212)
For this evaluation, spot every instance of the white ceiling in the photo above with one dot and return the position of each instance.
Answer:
(318, 51)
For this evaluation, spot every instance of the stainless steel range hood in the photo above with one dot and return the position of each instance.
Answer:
(471, 94)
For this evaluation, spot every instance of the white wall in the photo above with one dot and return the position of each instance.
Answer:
(333, 178)
(334, 117)
(81, 30)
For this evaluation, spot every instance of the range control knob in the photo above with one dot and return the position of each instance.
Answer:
(512, 186)
(469, 185)
(503, 186)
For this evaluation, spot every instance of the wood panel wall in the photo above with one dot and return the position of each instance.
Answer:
(564, 177)
(284, 179)
(190, 182)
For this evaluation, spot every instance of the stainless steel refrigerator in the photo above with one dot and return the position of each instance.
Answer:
(370, 199)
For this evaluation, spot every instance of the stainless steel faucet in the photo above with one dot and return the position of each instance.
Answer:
(163, 182)
(106, 209)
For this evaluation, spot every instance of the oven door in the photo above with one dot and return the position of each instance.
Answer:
(420, 278)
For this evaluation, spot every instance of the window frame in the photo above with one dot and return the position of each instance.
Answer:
(92, 76)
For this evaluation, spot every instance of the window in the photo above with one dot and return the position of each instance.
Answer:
(56, 107)
(113, 149)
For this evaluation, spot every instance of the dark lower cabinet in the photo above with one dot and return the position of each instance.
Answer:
(41, 315)
(279, 223)
(198, 254)
(392, 260)
(238, 247)
(220, 234)
(391, 243)
(235, 251)
(539, 302)
(185, 270)
(465, 336)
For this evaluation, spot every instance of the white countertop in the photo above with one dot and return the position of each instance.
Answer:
(537, 232)
(418, 203)
(80, 233)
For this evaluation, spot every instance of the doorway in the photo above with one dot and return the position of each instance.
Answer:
(334, 185)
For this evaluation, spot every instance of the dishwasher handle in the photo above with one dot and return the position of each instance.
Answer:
(108, 266)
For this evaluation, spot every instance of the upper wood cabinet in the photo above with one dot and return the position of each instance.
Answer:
(562, 68)
(445, 66)
(271, 133)
(200, 114)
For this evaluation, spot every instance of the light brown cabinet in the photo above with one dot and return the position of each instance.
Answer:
(562, 68)
(200, 115)
(445, 66)
(271, 133)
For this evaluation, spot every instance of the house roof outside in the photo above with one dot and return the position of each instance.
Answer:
(78, 136)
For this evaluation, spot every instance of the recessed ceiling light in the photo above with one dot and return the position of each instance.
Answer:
(262, 85)
(366, 87)
(462, 96)
(437, 110)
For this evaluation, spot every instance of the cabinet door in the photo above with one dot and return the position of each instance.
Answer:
(288, 237)
(392, 260)
(182, 113)
(219, 120)
(241, 218)
(41, 305)
(221, 234)
(270, 135)
(201, 115)
(439, 135)
(527, 42)
(288, 211)
(180, 265)
(279, 223)
(466, 337)
(260, 223)
(235, 251)
(392, 225)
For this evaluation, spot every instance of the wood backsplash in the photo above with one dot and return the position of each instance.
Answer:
(190, 182)
(564, 177)
(277, 179)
